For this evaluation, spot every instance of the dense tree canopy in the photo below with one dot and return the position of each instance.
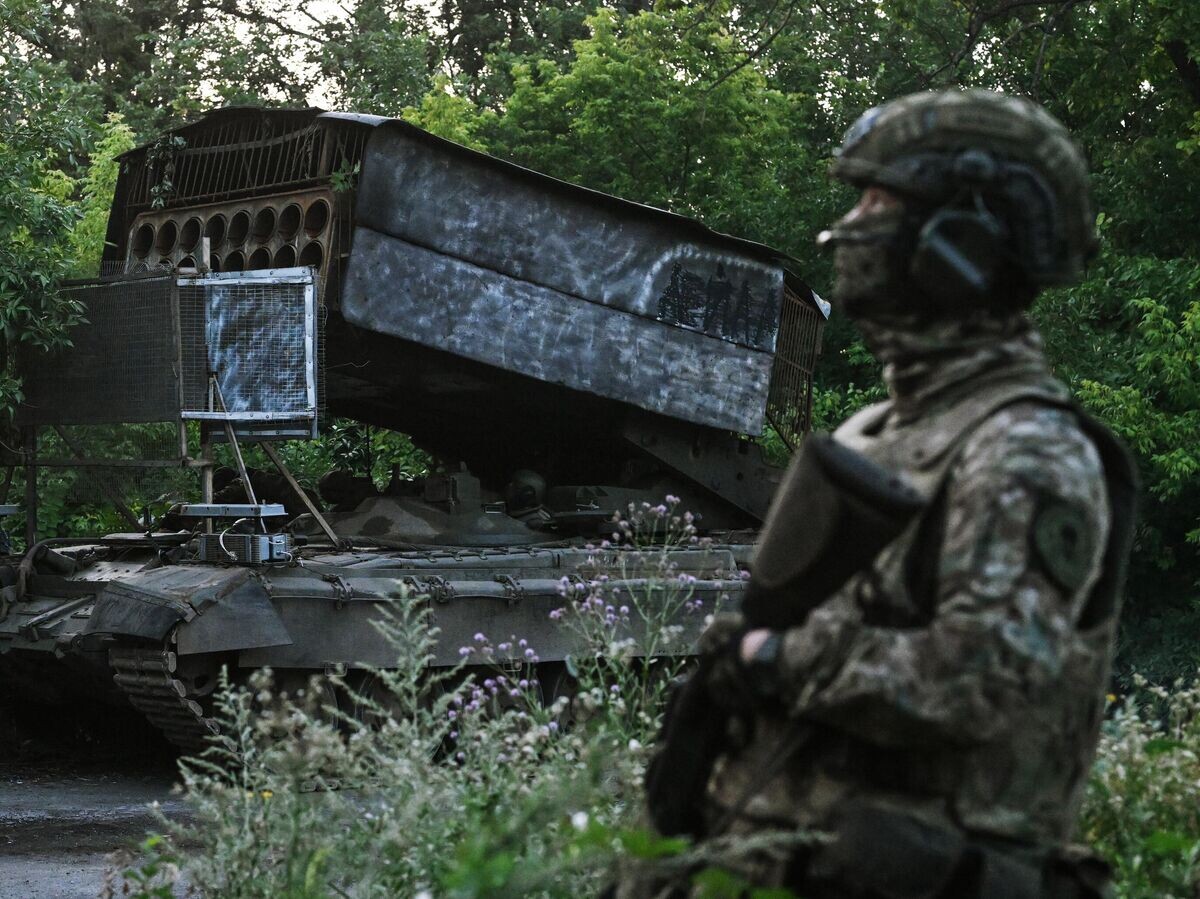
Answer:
(719, 109)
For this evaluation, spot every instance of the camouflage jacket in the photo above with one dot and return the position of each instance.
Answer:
(953, 678)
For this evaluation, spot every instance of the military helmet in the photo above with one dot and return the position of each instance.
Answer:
(942, 147)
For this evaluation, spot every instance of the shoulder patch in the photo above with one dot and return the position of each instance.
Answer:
(1064, 543)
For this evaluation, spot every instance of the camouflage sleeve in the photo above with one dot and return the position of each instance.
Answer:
(1008, 597)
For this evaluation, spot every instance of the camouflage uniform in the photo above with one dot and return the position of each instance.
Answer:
(974, 706)
(955, 684)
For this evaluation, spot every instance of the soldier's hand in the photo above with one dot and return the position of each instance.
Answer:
(752, 642)
(721, 634)
(741, 669)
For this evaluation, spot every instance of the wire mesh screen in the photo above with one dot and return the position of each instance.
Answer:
(257, 335)
(120, 366)
(102, 478)
(789, 398)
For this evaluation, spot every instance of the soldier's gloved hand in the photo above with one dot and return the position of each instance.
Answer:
(718, 648)
(739, 680)
(722, 633)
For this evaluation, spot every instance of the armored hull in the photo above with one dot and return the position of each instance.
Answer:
(132, 624)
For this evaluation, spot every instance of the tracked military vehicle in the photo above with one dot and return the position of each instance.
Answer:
(558, 352)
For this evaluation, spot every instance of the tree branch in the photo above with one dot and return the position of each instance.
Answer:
(1049, 24)
(757, 51)
(254, 17)
(1186, 67)
(980, 17)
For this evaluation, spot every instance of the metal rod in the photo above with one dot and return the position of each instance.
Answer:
(241, 463)
(231, 435)
(109, 463)
(31, 491)
(107, 488)
(300, 492)
(206, 474)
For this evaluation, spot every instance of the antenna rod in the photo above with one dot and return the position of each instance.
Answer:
(231, 433)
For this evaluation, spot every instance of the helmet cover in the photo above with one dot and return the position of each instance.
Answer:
(935, 148)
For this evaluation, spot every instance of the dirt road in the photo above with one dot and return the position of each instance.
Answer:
(68, 801)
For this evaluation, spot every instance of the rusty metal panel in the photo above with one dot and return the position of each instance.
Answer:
(278, 231)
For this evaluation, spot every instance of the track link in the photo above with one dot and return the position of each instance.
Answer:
(146, 676)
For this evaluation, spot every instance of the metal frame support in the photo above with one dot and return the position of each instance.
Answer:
(123, 510)
(31, 489)
(299, 491)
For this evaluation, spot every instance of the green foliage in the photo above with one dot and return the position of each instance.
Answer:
(645, 111)
(99, 184)
(1142, 809)
(448, 115)
(376, 59)
(42, 115)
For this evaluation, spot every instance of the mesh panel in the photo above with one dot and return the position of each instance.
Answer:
(88, 474)
(105, 412)
(121, 365)
(260, 341)
(789, 399)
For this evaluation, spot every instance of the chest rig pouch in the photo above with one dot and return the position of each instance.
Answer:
(833, 513)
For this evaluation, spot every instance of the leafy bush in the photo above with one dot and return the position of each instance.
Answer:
(1142, 810)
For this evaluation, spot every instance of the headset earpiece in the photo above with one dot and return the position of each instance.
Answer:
(958, 254)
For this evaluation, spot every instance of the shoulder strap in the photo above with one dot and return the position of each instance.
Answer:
(862, 425)
(1121, 481)
(1121, 478)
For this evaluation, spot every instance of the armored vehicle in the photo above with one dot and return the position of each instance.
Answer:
(557, 352)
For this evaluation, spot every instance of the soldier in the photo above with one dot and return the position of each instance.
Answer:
(936, 714)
